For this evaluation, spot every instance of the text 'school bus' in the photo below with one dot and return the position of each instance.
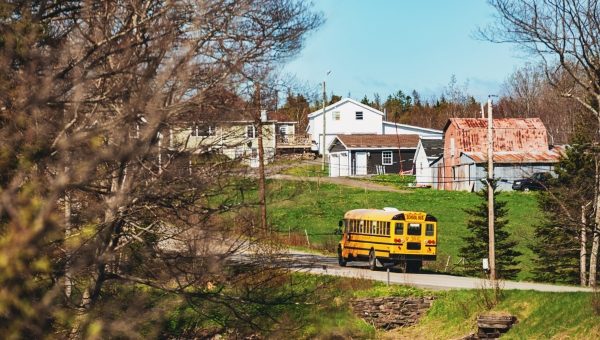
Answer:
(388, 236)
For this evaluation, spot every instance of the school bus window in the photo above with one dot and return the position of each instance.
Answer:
(414, 229)
(399, 229)
(375, 228)
(387, 228)
(429, 229)
(361, 227)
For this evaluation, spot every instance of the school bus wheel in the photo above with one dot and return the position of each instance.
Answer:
(414, 266)
(372, 260)
(341, 260)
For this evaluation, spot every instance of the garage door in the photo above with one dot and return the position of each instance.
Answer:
(334, 165)
(344, 165)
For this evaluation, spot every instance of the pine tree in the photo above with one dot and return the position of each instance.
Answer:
(476, 240)
(557, 243)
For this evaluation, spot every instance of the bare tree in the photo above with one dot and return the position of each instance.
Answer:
(90, 96)
(527, 93)
(564, 35)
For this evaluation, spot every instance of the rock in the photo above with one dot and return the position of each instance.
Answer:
(391, 312)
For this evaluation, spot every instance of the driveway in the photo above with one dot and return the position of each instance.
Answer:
(345, 181)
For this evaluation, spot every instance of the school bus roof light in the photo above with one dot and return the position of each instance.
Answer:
(399, 217)
(430, 218)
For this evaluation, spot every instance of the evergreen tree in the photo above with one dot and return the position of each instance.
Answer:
(557, 239)
(366, 101)
(476, 240)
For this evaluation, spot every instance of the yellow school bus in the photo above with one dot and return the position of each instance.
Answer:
(388, 235)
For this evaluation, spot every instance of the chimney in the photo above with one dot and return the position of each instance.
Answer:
(263, 116)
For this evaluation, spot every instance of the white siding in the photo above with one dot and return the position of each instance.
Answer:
(424, 173)
(390, 128)
(347, 124)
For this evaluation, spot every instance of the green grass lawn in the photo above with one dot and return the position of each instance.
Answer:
(317, 207)
(540, 315)
(307, 170)
(327, 314)
(393, 180)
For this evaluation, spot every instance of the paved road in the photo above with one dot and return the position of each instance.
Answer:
(325, 265)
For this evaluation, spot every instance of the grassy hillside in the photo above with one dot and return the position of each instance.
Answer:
(317, 207)
(327, 314)
(540, 316)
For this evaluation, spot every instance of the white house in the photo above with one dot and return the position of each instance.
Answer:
(428, 150)
(347, 117)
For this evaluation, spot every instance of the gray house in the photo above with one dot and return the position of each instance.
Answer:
(366, 154)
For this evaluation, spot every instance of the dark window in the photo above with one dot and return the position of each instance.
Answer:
(359, 115)
(386, 158)
(205, 130)
(429, 229)
(250, 131)
(387, 228)
(399, 229)
(414, 229)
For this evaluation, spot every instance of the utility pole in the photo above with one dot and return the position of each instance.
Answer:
(324, 125)
(262, 188)
(491, 245)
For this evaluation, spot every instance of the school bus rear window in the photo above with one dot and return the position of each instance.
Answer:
(429, 229)
(414, 229)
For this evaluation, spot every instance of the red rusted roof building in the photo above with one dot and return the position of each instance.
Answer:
(520, 148)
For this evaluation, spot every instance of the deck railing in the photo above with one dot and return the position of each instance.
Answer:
(293, 141)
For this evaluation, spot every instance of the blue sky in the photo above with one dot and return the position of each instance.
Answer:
(384, 46)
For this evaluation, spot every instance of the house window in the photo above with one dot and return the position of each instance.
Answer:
(203, 130)
(359, 115)
(208, 130)
(283, 130)
(386, 158)
(250, 131)
(336, 115)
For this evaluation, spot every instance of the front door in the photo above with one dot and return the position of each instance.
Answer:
(254, 161)
(361, 163)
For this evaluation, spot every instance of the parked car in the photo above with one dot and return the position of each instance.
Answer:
(537, 181)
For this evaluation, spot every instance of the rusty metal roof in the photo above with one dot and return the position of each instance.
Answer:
(355, 141)
(499, 123)
(510, 134)
(545, 156)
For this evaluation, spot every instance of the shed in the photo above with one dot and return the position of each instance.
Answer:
(365, 154)
(428, 150)
(508, 167)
